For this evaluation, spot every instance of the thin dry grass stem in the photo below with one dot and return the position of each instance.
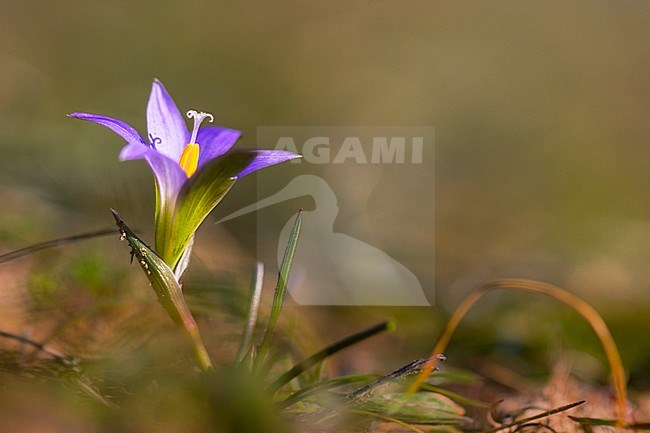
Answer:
(526, 422)
(581, 307)
(40, 346)
(12, 255)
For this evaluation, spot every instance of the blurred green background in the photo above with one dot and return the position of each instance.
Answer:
(540, 111)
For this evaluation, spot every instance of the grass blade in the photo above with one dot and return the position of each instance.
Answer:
(420, 408)
(324, 385)
(454, 396)
(54, 243)
(588, 312)
(280, 289)
(64, 359)
(365, 393)
(535, 417)
(253, 309)
(388, 419)
(319, 356)
(369, 390)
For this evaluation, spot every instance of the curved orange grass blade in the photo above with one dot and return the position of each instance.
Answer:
(581, 307)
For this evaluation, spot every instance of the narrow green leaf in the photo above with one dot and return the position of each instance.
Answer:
(166, 286)
(328, 351)
(418, 408)
(366, 392)
(588, 422)
(356, 398)
(593, 421)
(388, 419)
(253, 309)
(324, 385)
(280, 288)
(454, 396)
(454, 376)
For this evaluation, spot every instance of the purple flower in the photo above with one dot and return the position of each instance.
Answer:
(193, 170)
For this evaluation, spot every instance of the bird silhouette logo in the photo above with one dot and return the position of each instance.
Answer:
(333, 268)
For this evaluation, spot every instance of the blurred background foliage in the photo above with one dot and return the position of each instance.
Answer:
(540, 111)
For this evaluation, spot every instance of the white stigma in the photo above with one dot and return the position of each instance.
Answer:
(198, 118)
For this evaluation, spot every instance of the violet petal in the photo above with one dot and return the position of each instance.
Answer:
(124, 130)
(215, 141)
(134, 151)
(266, 158)
(169, 175)
(165, 124)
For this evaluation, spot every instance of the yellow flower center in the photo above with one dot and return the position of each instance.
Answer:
(190, 157)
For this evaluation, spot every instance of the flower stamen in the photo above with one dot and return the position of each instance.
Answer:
(198, 119)
(190, 157)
